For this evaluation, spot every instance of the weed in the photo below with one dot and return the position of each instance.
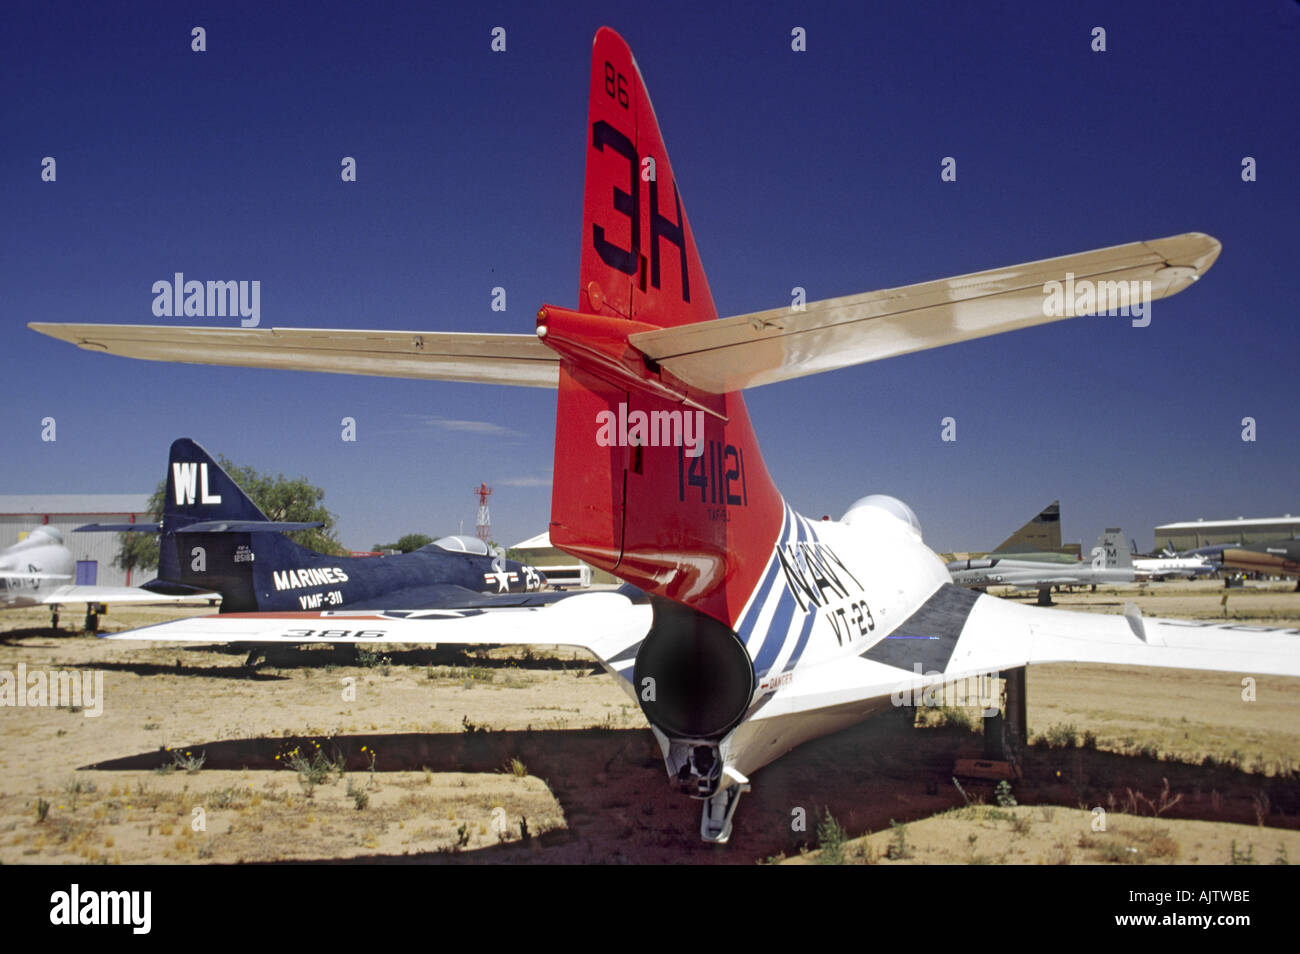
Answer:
(228, 797)
(830, 841)
(1261, 807)
(1157, 806)
(955, 718)
(370, 658)
(898, 847)
(1060, 737)
(42, 809)
(313, 769)
(515, 680)
(1157, 843)
(74, 789)
(1246, 857)
(188, 762)
(360, 797)
(469, 675)
(1118, 854)
(1061, 853)
(516, 768)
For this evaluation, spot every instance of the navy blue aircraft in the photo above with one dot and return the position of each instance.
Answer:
(214, 538)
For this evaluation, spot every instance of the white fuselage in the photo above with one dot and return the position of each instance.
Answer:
(1171, 566)
(832, 590)
(33, 567)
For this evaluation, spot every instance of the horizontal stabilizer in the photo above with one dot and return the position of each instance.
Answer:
(207, 526)
(443, 356)
(120, 594)
(720, 356)
(610, 625)
(1001, 635)
(249, 526)
(745, 351)
(118, 528)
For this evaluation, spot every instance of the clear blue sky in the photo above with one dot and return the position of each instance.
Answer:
(818, 169)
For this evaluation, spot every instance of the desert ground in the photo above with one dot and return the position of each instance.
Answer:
(504, 756)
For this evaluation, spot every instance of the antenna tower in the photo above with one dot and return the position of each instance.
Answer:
(483, 526)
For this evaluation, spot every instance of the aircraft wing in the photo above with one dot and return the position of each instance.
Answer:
(958, 633)
(443, 356)
(999, 634)
(745, 351)
(118, 594)
(607, 624)
(729, 354)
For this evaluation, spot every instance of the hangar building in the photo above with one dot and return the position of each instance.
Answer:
(1190, 534)
(538, 551)
(94, 552)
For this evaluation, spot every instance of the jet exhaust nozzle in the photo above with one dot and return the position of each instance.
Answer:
(693, 677)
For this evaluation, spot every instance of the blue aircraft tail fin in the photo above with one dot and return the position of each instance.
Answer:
(198, 491)
(212, 532)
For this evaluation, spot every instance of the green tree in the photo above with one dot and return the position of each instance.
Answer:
(412, 541)
(138, 550)
(279, 497)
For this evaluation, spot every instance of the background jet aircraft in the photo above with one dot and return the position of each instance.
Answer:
(37, 570)
(214, 537)
(764, 629)
(1171, 564)
(1111, 562)
(1039, 539)
(1278, 557)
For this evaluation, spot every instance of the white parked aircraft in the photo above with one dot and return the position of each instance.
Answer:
(1171, 564)
(764, 628)
(1110, 562)
(37, 570)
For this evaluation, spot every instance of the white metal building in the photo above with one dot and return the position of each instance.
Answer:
(1190, 534)
(22, 513)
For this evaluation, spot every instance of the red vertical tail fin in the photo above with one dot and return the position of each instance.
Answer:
(654, 481)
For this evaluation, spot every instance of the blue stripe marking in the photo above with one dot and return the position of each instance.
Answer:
(804, 633)
(779, 631)
(765, 588)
